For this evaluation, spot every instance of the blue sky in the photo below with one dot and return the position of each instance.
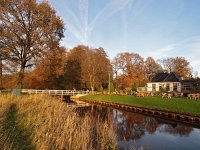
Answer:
(156, 28)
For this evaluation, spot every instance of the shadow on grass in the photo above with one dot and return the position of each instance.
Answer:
(15, 136)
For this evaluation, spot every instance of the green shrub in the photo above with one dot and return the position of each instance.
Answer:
(100, 89)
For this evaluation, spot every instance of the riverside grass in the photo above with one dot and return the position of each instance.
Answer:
(181, 105)
(43, 122)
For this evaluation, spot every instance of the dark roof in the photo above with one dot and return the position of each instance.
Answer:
(166, 77)
(160, 77)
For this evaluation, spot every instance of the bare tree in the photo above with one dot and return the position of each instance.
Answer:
(179, 65)
(167, 63)
(151, 68)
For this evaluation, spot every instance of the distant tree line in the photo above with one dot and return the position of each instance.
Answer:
(31, 55)
(131, 70)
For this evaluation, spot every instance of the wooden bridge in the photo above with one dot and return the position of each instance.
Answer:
(56, 92)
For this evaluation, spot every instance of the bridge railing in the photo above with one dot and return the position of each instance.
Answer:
(5, 91)
(54, 92)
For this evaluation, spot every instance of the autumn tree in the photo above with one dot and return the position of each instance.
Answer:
(104, 70)
(117, 64)
(95, 67)
(72, 71)
(151, 68)
(182, 67)
(98, 67)
(72, 77)
(29, 29)
(51, 67)
(179, 65)
(92, 66)
(131, 68)
(2, 57)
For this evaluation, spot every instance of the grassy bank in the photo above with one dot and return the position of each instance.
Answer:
(182, 105)
(43, 122)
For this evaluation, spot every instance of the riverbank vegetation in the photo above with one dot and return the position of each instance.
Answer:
(44, 122)
(182, 105)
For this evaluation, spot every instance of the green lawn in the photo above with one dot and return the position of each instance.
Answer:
(175, 104)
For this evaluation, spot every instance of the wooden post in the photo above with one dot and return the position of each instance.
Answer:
(109, 82)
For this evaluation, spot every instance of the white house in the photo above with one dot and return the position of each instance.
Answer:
(169, 81)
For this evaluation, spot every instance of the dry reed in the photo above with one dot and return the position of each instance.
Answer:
(44, 122)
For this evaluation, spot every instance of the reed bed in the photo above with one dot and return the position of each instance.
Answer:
(44, 122)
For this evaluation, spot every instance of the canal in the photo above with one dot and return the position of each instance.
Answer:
(140, 131)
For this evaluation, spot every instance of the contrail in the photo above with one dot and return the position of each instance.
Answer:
(82, 28)
(83, 8)
(74, 28)
(113, 6)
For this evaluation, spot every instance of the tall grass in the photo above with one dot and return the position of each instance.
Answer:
(44, 122)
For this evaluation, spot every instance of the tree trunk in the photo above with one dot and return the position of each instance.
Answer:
(1, 72)
(116, 81)
(21, 77)
(91, 84)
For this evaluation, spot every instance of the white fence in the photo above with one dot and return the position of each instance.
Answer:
(54, 92)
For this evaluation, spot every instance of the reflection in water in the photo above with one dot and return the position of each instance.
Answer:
(180, 130)
(131, 126)
(149, 132)
(151, 125)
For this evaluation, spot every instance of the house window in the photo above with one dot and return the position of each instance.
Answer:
(175, 86)
(167, 87)
(160, 87)
(153, 87)
(187, 88)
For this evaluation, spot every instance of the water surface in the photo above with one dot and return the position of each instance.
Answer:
(136, 130)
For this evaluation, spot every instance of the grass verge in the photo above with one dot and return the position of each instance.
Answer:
(182, 105)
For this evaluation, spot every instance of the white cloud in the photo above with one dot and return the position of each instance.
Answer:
(188, 48)
(167, 48)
